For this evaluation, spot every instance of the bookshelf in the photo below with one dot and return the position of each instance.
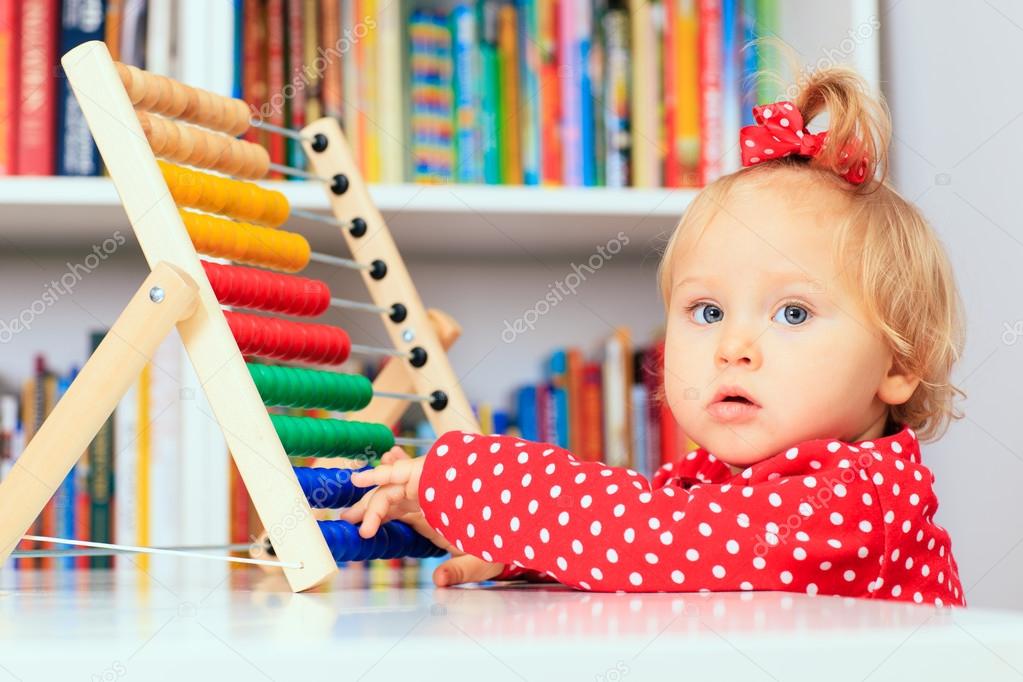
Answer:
(479, 221)
(484, 253)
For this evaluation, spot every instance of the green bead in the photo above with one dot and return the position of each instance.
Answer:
(310, 388)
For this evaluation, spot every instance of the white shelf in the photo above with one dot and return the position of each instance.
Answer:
(485, 221)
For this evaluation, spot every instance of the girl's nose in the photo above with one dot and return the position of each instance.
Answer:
(739, 346)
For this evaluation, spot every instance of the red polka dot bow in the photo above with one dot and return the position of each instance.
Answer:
(779, 132)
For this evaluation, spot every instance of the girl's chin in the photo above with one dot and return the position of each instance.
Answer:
(738, 445)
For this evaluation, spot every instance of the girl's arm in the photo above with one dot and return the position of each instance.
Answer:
(780, 525)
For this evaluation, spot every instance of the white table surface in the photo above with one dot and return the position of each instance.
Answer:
(198, 620)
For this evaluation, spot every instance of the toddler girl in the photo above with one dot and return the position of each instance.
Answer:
(812, 324)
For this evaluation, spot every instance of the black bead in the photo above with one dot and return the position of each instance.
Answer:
(319, 143)
(339, 185)
(438, 400)
(418, 356)
(379, 270)
(398, 313)
(358, 227)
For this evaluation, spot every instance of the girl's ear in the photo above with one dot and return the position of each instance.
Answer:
(898, 385)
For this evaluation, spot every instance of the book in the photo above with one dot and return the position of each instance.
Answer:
(77, 154)
(710, 57)
(466, 85)
(37, 94)
(100, 482)
(10, 77)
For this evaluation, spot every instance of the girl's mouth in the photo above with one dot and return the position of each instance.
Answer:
(733, 409)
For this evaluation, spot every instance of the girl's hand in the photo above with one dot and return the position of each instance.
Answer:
(396, 497)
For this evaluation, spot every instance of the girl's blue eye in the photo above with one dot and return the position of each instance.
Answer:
(715, 314)
(793, 314)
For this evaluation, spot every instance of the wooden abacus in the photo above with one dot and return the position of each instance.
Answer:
(177, 212)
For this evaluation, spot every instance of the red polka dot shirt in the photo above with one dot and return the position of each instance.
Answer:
(822, 517)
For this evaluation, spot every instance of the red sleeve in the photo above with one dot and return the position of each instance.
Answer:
(514, 572)
(788, 523)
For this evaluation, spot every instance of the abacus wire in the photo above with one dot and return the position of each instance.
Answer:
(159, 550)
(338, 261)
(309, 215)
(287, 132)
(48, 553)
(297, 172)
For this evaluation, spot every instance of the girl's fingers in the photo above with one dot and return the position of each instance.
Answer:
(399, 472)
(394, 454)
(378, 507)
(465, 569)
(355, 513)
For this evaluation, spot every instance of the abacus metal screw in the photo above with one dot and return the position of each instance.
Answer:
(157, 294)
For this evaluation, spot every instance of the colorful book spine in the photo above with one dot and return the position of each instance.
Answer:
(749, 59)
(77, 154)
(767, 59)
(112, 37)
(688, 106)
(238, 50)
(640, 434)
(100, 482)
(571, 95)
(510, 115)
(468, 154)
(574, 387)
(644, 118)
(711, 133)
(10, 77)
(559, 417)
(64, 496)
(369, 128)
(616, 114)
(254, 67)
(582, 45)
(529, 68)
(342, 100)
(672, 165)
(443, 110)
(419, 34)
(489, 99)
(126, 471)
(617, 441)
(391, 140)
(334, 78)
(296, 103)
(551, 146)
(526, 409)
(38, 93)
(731, 84)
(650, 372)
(311, 47)
(592, 414)
(275, 79)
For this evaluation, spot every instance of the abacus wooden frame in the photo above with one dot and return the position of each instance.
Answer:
(257, 451)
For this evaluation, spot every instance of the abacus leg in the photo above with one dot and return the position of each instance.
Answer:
(166, 297)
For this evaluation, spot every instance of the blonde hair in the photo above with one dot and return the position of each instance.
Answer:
(886, 250)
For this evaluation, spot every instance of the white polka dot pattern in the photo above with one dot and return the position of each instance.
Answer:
(821, 517)
(779, 132)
